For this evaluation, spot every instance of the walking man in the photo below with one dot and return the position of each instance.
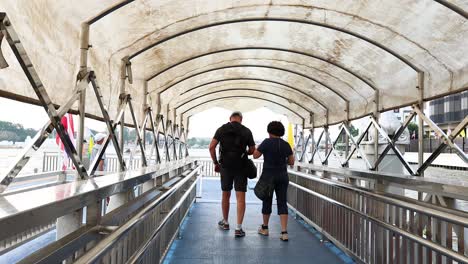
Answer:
(234, 138)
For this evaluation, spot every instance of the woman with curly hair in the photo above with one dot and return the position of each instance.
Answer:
(277, 154)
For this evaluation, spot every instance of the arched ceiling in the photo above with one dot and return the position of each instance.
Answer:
(304, 56)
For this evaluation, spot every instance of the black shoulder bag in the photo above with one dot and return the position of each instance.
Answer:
(265, 187)
(249, 168)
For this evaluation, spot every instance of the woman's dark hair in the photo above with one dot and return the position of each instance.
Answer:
(276, 128)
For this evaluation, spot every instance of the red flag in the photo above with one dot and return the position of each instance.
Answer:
(68, 125)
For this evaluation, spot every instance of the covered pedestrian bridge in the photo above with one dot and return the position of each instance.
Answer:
(152, 65)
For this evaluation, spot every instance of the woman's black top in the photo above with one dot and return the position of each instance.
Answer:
(275, 153)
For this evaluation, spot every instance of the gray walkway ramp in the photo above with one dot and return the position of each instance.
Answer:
(203, 242)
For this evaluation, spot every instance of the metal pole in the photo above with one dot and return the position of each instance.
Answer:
(376, 131)
(346, 142)
(123, 76)
(312, 135)
(84, 46)
(119, 199)
(144, 111)
(421, 122)
(71, 222)
(327, 140)
(346, 139)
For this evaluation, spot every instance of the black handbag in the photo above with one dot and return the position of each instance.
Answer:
(250, 169)
(264, 188)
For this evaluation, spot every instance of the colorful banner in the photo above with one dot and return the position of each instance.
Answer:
(67, 122)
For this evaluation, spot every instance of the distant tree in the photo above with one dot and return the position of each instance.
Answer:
(14, 132)
(354, 131)
(198, 142)
(413, 129)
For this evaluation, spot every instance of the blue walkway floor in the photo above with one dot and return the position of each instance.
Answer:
(202, 241)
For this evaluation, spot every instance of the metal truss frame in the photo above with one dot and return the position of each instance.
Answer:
(85, 77)
(304, 143)
(54, 115)
(448, 139)
(166, 145)
(154, 128)
(171, 134)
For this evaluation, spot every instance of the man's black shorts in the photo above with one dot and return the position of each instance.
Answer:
(232, 176)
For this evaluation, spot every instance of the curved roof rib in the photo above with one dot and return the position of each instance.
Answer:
(255, 66)
(343, 30)
(243, 96)
(259, 80)
(328, 56)
(334, 63)
(180, 104)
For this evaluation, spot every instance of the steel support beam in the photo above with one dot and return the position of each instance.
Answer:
(391, 144)
(327, 140)
(155, 133)
(109, 125)
(55, 118)
(38, 140)
(376, 116)
(3, 62)
(138, 133)
(395, 137)
(421, 123)
(356, 144)
(448, 140)
(166, 145)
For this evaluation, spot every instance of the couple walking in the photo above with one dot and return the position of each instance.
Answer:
(236, 142)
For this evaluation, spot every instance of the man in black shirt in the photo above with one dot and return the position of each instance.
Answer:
(234, 139)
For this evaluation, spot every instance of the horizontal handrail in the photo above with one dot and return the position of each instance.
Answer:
(40, 207)
(443, 187)
(107, 243)
(442, 250)
(451, 217)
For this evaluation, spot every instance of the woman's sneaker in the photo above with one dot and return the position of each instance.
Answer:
(239, 233)
(284, 236)
(263, 230)
(223, 225)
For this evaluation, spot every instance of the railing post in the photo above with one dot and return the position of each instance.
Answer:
(119, 199)
(346, 142)
(421, 122)
(376, 131)
(71, 222)
(327, 140)
(122, 119)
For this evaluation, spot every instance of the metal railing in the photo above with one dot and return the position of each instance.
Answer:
(20, 238)
(374, 228)
(24, 184)
(32, 212)
(145, 237)
(208, 168)
(431, 144)
(51, 162)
